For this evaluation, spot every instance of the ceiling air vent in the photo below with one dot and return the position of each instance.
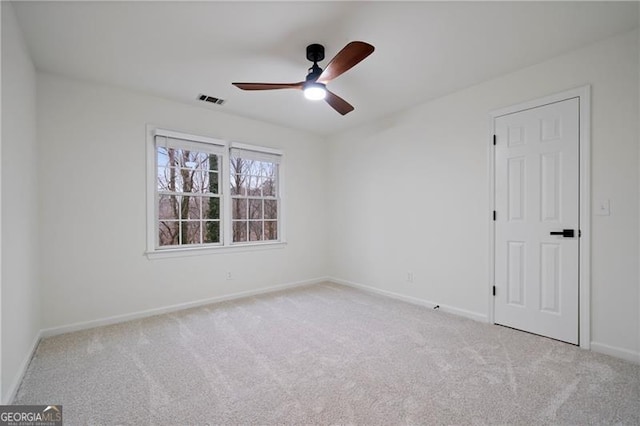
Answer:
(211, 99)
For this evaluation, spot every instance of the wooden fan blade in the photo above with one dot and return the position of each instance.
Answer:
(337, 103)
(347, 58)
(268, 86)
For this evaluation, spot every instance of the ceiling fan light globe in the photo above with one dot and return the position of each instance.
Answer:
(315, 92)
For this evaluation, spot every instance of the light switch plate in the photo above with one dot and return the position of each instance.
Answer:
(603, 208)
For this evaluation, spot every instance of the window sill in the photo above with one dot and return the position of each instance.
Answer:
(201, 251)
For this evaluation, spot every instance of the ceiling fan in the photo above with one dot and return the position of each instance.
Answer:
(315, 84)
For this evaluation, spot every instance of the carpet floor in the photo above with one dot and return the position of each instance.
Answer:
(325, 354)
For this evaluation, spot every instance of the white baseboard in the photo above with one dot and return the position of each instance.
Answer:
(616, 352)
(17, 380)
(172, 308)
(414, 300)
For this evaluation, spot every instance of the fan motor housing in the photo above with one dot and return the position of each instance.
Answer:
(315, 52)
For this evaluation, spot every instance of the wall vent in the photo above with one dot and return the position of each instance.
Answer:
(211, 99)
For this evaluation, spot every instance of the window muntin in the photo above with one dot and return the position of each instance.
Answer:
(254, 196)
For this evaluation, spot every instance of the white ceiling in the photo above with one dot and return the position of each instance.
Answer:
(423, 49)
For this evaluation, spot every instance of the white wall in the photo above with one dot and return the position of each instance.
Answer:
(408, 193)
(411, 191)
(19, 169)
(92, 195)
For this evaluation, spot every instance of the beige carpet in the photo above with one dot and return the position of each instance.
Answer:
(325, 354)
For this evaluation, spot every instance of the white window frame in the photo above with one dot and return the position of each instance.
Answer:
(260, 154)
(154, 251)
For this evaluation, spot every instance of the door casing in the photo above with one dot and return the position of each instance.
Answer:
(584, 261)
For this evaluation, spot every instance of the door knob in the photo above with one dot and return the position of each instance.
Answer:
(566, 233)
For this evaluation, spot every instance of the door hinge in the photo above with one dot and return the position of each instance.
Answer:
(494, 215)
(494, 290)
(579, 233)
(494, 139)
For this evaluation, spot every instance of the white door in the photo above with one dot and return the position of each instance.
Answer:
(536, 189)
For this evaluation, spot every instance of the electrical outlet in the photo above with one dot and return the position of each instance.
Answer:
(603, 208)
(229, 276)
(409, 277)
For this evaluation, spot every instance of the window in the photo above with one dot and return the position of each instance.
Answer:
(188, 198)
(254, 196)
(208, 193)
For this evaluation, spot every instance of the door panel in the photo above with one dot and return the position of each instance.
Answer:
(517, 170)
(536, 159)
(550, 278)
(515, 288)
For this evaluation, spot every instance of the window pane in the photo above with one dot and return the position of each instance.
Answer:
(198, 160)
(270, 209)
(213, 163)
(249, 167)
(253, 186)
(270, 230)
(187, 177)
(239, 231)
(212, 183)
(162, 157)
(255, 230)
(191, 208)
(235, 189)
(211, 208)
(192, 234)
(211, 232)
(169, 179)
(174, 156)
(168, 233)
(238, 165)
(162, 183)
(269, 187)
(266, 168)
(185, 159)
(255, 209)
(199, 181)
(238, 185)
(168, 207)
(239, 208)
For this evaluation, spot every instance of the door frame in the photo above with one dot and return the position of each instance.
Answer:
(583, 94)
